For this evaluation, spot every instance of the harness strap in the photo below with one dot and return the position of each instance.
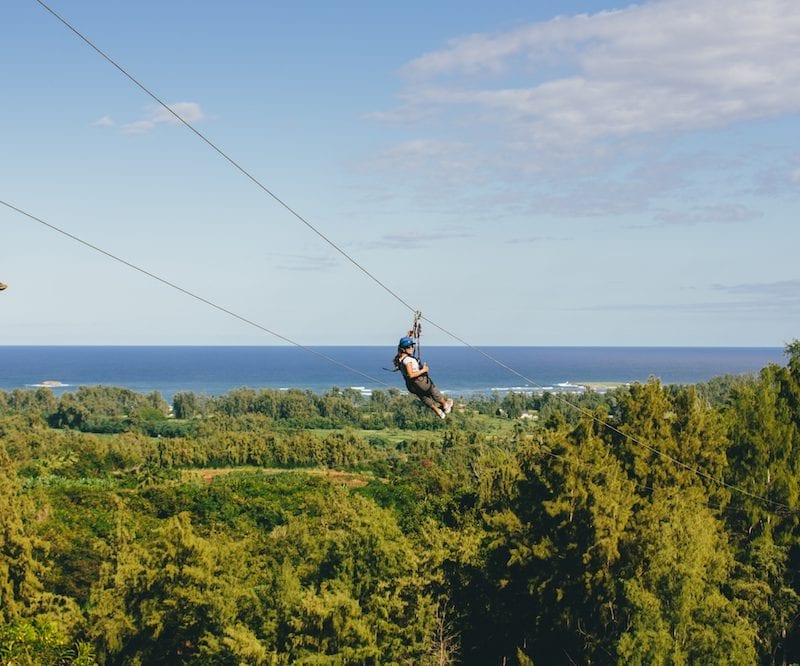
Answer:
(416, 332)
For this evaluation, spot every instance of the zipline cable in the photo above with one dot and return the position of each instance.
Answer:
(222, 153)
(342, 252)
(609, 426)
(330, 359)
(652, 489)
(191, 293)
(258, 183)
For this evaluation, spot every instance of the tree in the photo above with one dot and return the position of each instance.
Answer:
(348, 586)
(68, 414)
(764, 429)
(545, 581)
(20, 570)
(167, 600)
(32, 643)
(185, 405)
(676, 590)
(34, 623)
(765, 443)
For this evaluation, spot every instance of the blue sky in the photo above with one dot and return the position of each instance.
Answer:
(571, 173)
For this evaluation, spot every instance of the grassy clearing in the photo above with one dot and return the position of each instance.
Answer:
(208, 474)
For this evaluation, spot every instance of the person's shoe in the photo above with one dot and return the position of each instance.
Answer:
(442, 415)
(448, 406)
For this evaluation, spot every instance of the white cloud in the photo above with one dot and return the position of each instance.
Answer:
(454, 161)
(783, 290)
(303, 262)
(536, 240)
(574, 114)
(662, 66)
(105, 121)
(782, 297)
(158, 115)
(405, 241)
(717, 214)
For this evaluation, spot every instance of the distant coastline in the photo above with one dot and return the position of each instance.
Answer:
(215, 370)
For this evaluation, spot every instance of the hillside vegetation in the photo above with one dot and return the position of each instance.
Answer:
(649, 525)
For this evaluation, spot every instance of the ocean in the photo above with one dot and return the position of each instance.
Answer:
(456, 370)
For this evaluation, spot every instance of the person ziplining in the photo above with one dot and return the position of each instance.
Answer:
(415, 373)
(3, 287)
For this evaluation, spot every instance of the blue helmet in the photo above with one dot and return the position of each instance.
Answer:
(405, 343)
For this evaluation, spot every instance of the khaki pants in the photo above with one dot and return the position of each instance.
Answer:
(425, 390)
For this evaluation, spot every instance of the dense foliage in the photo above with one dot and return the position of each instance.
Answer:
(649, 525)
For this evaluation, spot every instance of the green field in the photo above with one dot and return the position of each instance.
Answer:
(632, 526)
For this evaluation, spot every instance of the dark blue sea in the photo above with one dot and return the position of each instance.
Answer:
(456, 370)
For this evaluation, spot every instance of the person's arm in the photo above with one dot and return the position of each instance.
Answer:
(412, 373)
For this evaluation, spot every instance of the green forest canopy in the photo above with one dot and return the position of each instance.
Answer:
(650, 525)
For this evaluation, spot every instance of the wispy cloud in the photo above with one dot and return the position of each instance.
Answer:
(105, 121)
(156, 116)
(454, 161)
(303, 262)
(555, 107)
(414, 240)
(779, 178)
(536, 240)
(779, 297)
(781, 291)
(718, 214)
(661, 66)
